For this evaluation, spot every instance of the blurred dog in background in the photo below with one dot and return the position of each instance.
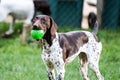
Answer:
(21, 10)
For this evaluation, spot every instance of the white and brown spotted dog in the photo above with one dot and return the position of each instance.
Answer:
(61, 48)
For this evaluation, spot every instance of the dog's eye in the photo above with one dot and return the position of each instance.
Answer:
(43, 21)
(36, 17)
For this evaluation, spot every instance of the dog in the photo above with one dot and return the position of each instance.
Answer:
(18, 10)
(59, 49)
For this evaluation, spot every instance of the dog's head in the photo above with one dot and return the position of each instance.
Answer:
(47, 24)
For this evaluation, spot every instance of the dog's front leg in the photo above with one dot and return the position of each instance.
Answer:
(51, 74)
(60, 68)
(50, 70)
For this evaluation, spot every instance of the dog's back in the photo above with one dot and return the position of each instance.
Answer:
(20, 9)
(71, 42)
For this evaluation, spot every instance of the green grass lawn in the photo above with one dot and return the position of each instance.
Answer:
(23, 62)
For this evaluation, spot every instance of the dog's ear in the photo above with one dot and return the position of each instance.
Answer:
(53, 27)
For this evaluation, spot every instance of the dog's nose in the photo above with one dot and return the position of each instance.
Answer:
(35, 27)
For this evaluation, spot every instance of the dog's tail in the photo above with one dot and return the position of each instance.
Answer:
(92, 17)
(96, 27)
(92, 22)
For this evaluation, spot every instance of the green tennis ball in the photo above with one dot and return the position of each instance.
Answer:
(37, 34)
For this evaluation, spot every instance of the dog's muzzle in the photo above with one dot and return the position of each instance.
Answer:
(35, 27)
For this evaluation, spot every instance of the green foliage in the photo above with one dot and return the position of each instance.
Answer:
(23, 62)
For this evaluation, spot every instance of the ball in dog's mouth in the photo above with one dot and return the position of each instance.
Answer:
(37, 34)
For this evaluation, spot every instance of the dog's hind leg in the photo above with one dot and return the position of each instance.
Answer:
(94, 66)
(11, 27)
(83, 65)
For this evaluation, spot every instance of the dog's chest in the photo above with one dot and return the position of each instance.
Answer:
(52, 53)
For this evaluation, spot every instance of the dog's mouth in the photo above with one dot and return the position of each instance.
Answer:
(37, 33)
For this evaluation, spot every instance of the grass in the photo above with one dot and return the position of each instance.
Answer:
(23, 62)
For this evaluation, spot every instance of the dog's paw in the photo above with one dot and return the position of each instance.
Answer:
(5, 35)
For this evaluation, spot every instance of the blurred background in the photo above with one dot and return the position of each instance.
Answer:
(76, 12)
(23, 62)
